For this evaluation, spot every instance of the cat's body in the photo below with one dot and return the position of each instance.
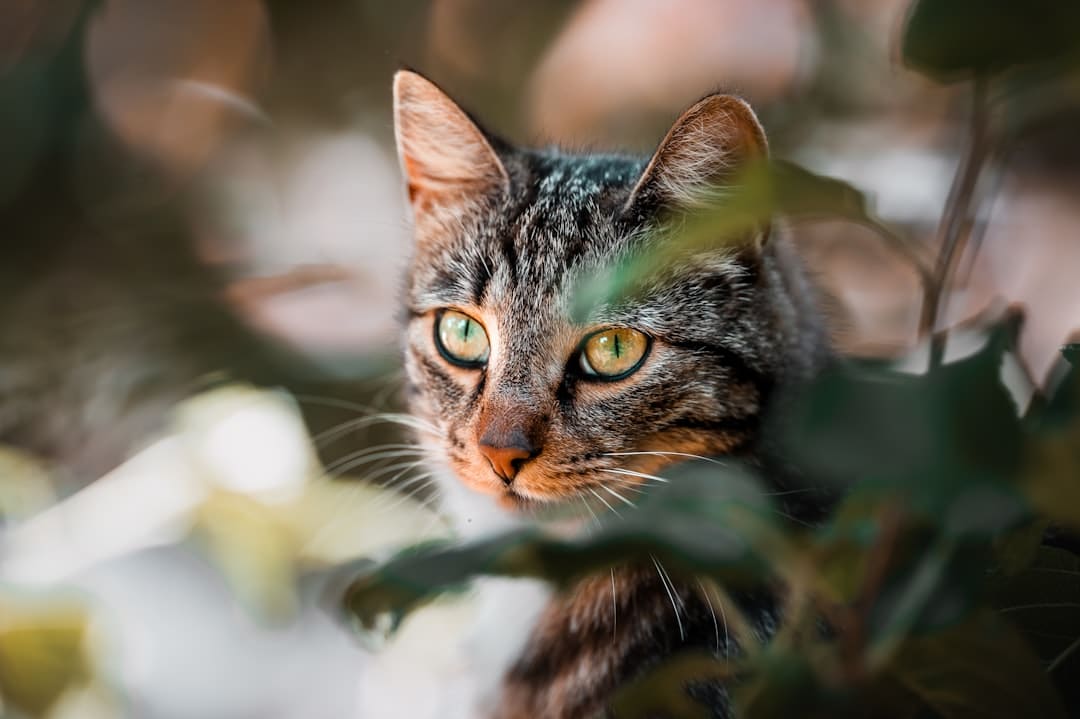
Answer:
(537, 397)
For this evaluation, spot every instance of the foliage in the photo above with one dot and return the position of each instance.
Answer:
(946, 583)
(903, 572)
(41, 651)
(932, 578)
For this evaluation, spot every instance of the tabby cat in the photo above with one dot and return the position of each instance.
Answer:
(532, 405)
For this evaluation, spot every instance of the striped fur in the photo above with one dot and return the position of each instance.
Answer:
(728, 325)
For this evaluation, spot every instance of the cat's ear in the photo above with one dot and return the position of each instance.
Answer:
(702, 154)
(445, 156)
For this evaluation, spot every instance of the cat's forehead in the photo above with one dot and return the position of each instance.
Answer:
(573, 180)
(558, 220)
(565, 225)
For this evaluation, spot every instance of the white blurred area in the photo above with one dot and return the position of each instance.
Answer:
(185, 561)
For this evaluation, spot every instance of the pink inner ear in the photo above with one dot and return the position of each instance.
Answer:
(702, 151)
(444, 155)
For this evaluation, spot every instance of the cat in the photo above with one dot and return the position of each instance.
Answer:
(531, 405)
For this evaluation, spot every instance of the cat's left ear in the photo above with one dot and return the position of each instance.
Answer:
(702, 154)
(444, 154)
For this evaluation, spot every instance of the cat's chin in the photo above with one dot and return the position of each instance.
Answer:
(476, 512)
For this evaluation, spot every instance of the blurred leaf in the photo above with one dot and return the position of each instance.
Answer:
(1052, 464)
(1018, 548)
(707, 522)
(25, 484)
(787, 686)
(981, 668)
(255, 549)
(844, 544)
(939, 588)
(663, 691)
(1063, 385)
(1050, 475)
(954, 39)
(1043, 601)
(41, 655)
(798, 192)
(946, 444)
(760, 193)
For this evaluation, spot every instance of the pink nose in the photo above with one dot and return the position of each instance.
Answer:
(507, 460)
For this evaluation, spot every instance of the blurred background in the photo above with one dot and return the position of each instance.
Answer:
(198, 194)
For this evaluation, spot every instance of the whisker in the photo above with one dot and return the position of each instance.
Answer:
(335, 402)
(604, 501)
(402, 466)
(614, 610)
(632, 473)
(785, 492)
(381, 447)
(426, 480)
(596, 519)
(618, 496)
(405, 483)
(628, 485)
(405, 420)
(352, 461)
(687, 455)
(716, 627)
(671, 596)
(793, 518)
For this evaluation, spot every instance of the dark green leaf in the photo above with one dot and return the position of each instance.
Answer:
(982, 668)
(954, 39)
(761, 192)
(945, 445)
(711, 521)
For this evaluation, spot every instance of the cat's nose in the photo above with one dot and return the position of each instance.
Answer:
(507, 457)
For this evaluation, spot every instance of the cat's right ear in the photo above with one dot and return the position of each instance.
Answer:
(700, 158)
(446, 158)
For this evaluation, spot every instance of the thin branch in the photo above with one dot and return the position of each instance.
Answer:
(1061, 658)
(956, 222)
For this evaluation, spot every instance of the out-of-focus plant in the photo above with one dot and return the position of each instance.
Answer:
(945, 582)
(42, 652)
(235, 480)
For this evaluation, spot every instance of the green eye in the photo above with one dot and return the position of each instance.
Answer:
(461, 339)
(613, 353)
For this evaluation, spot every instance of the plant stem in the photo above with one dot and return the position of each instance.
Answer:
(956, 222)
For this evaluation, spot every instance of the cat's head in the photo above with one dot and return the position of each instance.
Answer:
(533, 400)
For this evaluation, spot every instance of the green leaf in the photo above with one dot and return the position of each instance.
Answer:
(946, 445)
(761, 192)
(954, 39)
(982, 668)
(711, 520)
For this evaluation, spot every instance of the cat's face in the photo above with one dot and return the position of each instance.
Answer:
(534, 399)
